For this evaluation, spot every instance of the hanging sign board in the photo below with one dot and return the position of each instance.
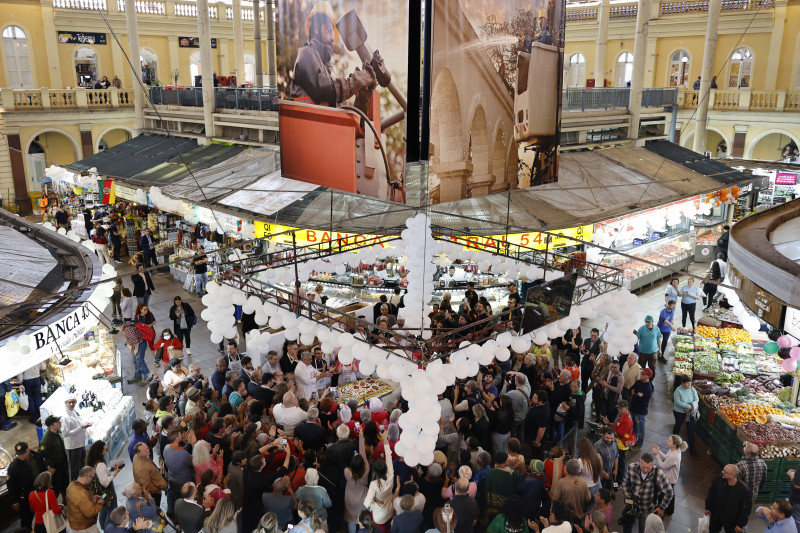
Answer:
(785, 179)
(193, 42)
(81, 37)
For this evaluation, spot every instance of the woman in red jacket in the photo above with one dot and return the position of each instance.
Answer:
(41, 497)
(166, 341)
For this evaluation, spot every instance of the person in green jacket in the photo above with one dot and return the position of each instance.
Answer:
(52, 449)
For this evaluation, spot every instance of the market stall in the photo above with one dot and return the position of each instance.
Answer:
(743, 399)
(99, 404)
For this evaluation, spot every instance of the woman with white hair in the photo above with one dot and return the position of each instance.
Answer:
(140, 503)
(449, 491)
(393, 434)
(204, 458)
(317, 495)
(223, 519)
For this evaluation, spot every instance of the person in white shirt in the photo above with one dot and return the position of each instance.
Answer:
(306, 376)
(73, 428)
(288, 414)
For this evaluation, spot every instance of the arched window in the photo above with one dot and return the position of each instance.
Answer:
(18, 66)
(624, 72)
(249, 68)
(149, 61)
(194, 66)
(679, 69)
(86, 66)
(741, 69)
(577, 70)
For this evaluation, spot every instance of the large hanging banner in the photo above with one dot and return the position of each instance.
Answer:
(495, 96)
(342, 67)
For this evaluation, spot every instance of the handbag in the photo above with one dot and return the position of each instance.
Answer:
(193, 322)
(188, 283)
(158, 355)
(53, 523)
(12, 403)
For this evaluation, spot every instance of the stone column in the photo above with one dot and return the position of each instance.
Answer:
(134, 54)
(272, 65)
(710, 49)
(18, 174)
(639, 56)
(603, 14)
(51, 46)
(206, 66)
(238, 42)
(775, 42)
(259, 78)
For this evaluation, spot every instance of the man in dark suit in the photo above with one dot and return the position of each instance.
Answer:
(188, 512)
(310, 432)
(147, 244)
(142, 285)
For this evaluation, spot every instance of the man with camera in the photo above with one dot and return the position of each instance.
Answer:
(647, 490)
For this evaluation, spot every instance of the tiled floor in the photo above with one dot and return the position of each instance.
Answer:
(697, 472)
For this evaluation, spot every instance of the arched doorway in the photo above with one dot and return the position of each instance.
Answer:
(716, 143)
(86, 66)
(36, 166)
(149, 62)
(194, 66)
(624, 70)
(112, 137)
(17, 56)
(741, 69)
(576, 72)
(479, 154)
(775, 146)
(680, 69)
(447, 137)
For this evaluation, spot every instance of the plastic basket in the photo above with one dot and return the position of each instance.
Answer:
(774, 470)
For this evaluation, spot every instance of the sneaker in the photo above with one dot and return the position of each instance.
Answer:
(188, 351)
(117, 261)
(134, 379)
(11, 426)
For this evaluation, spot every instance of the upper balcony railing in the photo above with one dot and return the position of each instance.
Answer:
(158, 8)
(65, 99)
(224, 97)
(667, 7)
(742, 100)
(605, 98)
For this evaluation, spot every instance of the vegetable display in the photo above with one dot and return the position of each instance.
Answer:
(777, 450)
(771, 431)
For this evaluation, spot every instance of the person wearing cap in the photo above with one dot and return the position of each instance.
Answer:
(192, 398)
(442, 525)
(22, 473)
(641, 392)
(75, 437)
(53, 451)
(649, 338)
(623, 431)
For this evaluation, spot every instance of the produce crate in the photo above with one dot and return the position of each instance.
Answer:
(774, 470)
(766, 492)
(788, 463)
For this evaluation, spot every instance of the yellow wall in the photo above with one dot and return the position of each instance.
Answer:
(27, 16)
(790, 51)
(666, 48)
(159, 45)
(770, 147)
(115, 137)
(57, 147)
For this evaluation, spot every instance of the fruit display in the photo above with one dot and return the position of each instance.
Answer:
(769, 432)
(739, 414)
(763, 384)
(707, 331)
(732, 335)
(728, 377)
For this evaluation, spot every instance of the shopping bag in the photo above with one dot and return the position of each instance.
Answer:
(188, 283)
(702, 524)
(12, 403)
(23, 400)
(53, 523)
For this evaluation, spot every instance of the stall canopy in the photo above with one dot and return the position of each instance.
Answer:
(593, 186)
(235, 174)
(149, 160)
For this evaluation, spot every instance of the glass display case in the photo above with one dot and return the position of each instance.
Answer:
(705, 240)
(96, 354)
(675, 252)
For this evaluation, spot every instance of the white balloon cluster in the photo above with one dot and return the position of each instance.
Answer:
(419, 246)
(619, 308)
(140, 197)
(165, 203)
(749, 321)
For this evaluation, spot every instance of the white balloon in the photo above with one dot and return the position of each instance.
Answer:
(521, 344)
(289, 321)
(306, 338)
(291, 334)
(502, 353)
(366, 367)
(504, 339)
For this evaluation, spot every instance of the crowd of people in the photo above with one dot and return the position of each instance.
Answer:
(264, 448)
